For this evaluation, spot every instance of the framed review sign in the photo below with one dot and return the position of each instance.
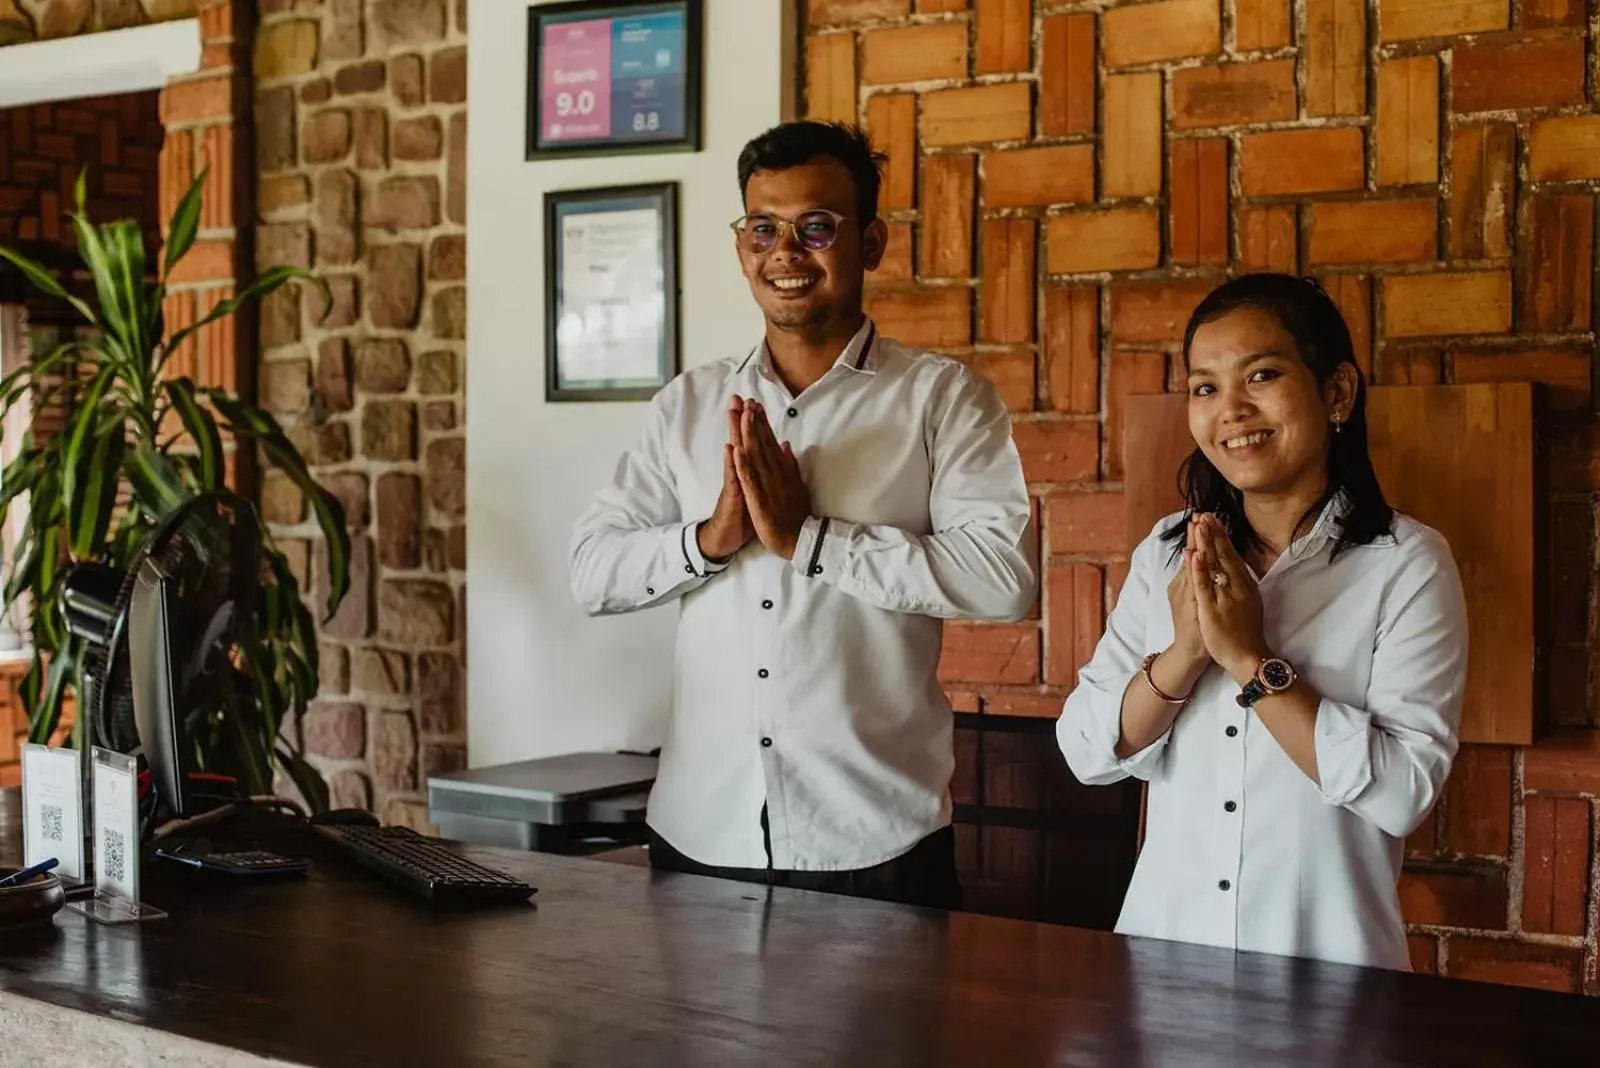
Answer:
(611, 292)
(608, 77)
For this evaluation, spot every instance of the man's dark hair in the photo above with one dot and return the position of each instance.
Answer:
(792, 144)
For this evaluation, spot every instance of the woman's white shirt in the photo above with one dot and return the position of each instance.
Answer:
(1241, 848)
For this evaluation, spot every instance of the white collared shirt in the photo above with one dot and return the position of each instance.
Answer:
(808, 685)
(1242, 849)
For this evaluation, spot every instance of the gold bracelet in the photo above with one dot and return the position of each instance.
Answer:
(1151, 682)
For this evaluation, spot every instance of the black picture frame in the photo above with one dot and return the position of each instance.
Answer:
(661, 197)
(688, 140)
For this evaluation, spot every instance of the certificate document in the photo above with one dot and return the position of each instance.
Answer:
(611, 323)
(612, 315)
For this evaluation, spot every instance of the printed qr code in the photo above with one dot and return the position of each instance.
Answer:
(116, 859)
(52, 823)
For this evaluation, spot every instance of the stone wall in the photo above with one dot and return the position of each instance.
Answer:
(37, 20)
(360, 149)
(1067, 178)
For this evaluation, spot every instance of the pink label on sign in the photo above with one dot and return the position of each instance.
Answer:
(577, 80)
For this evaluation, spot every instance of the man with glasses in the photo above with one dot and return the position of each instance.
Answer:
(816, 506)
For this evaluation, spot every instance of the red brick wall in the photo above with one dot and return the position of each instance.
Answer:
(43, 147)
(1066, 179)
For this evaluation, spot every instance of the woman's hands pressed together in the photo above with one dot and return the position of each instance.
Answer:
(1227, 600)
(1188, 645)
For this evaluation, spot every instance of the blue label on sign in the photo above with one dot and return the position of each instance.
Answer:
(648, 76)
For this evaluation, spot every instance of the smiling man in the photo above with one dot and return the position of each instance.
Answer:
(816, 506)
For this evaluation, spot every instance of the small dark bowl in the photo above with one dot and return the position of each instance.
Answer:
(32, 903)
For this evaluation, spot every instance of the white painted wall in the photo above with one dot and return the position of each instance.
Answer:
(542, 678)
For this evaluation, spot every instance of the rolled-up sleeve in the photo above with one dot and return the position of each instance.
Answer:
(1091, 723)
(977, 562)
(632, 548)
(1387, 761)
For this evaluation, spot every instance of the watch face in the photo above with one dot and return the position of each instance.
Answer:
(1277, 674)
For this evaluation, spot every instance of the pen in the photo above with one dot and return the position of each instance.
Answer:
(27, 873)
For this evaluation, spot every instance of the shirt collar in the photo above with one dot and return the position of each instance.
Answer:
(863, 354)
(1324, 530)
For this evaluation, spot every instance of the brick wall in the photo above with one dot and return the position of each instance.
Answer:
(44, 146)
(360, 168)
(1066, 179)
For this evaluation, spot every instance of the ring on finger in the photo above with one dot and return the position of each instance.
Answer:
(1219, 579)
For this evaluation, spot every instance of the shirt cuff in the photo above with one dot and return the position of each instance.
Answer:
(1140, 765)
(820, 549)
(694, 560)
(1344, 751)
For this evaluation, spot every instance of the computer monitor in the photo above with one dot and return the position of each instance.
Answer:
(150, 670)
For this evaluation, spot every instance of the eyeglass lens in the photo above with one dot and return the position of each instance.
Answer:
(815, 230)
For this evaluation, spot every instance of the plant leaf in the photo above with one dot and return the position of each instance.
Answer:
(25, 379)
(185, 224)
(127, 248)
(107, 282)
(247, 421)
(63, 665)
(79, 449)
(265, 283)
(306, 778)
(89, 512)
(254, 756)
(202, 429)
(44, 281)
(19, 477)
(156, 484)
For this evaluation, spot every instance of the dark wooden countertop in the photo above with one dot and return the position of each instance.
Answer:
(618, 966)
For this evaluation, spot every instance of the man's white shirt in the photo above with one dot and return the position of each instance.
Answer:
(809, 685)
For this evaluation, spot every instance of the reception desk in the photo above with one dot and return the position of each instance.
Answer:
(619, 966)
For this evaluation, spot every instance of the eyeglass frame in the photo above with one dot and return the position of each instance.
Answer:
(791, 225)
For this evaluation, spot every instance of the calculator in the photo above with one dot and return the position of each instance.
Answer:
(245, 862)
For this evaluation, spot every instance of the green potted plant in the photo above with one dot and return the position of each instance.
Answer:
(138, 443)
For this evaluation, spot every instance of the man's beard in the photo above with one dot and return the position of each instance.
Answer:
(799, 318)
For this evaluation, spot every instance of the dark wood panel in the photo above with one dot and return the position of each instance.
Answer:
(1032, 842)
(619, 966)
(1460, 459)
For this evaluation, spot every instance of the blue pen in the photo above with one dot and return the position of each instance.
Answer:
(27, 873)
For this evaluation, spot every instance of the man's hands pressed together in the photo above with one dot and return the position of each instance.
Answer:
(728, 530)
(763, 493)
(775, 493)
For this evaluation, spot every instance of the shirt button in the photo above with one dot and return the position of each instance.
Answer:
(1224, 886)
(1229, 806)
(1233, 732)
(688, 569)
(651, 590)
(793, 412)
(767, 605)
(763, 673)
(816, 569)
(766, 743)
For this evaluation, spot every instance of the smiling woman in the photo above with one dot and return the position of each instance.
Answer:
(1286, 661)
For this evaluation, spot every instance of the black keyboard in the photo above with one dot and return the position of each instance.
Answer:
(426, 866)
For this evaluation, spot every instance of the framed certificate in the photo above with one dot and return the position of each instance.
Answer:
(607, 77)
(611, 292)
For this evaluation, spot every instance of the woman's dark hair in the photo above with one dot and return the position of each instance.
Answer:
(792, 144)
(1309, 315)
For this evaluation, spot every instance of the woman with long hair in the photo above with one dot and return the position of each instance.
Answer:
(1286, 661)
